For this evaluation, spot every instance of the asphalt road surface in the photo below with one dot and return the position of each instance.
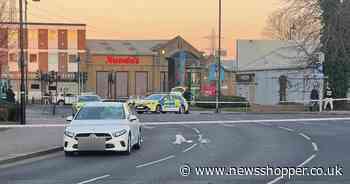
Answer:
(275, 144)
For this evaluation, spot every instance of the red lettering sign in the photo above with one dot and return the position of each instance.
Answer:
(116, 60)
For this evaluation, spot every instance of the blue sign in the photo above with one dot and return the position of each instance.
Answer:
(212, 72)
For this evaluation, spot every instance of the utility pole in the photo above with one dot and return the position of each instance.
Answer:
(218, 90)
(26, 41)
(21, 45)
(78, 61)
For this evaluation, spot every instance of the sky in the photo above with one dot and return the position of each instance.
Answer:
(160, 19)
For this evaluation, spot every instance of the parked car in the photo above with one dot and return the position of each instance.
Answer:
(66, 99)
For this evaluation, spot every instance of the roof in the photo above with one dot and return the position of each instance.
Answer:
(123, 47)
(256, 55)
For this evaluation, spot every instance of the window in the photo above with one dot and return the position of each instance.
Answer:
(101, 113)
(72, 58)
(13, 57)
(33, 58)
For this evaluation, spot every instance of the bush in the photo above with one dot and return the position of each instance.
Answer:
(8, 111)
(222, 99)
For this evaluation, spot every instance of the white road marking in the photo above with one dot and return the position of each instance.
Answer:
(229, 125)
(148, 127)
(300, 165)
(315, 146)
(191, 147)
(307, 161)
(285, 128)
(179, 139)
(193, 122)
(305, 136)
(197, 130)
(265, 124)
(202, 140)
(245, 121)
(155, 162)
(275, 180)
(94, 179)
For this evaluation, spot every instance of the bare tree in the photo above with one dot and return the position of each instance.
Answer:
(300, 22)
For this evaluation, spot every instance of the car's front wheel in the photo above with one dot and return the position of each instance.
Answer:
(61, 103)
(158, 109)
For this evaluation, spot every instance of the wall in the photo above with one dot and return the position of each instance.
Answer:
(267, 86)
(97, 63)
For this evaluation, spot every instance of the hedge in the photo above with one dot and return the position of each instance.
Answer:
(8, 111)
(222, 99)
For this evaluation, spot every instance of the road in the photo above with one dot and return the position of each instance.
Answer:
(277, 144)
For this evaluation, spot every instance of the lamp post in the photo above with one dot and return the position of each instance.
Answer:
(218, 68)
(21, 45)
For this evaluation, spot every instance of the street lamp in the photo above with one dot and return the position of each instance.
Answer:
(218, 68)
(23, 86)
(21, 45)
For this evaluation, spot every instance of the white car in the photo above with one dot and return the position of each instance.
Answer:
(65, 99)
(102, 126)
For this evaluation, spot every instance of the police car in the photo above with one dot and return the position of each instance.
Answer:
(162, 103)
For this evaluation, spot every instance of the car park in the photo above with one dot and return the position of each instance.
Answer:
(102, 126)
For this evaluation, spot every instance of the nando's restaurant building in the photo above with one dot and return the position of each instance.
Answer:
(123, 68)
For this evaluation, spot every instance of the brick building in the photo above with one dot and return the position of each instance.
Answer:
(48, 47)
(122, 68)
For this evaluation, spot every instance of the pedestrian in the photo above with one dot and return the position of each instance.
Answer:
(187, 95)
(329, 98)
(10, 95)
(314, 98)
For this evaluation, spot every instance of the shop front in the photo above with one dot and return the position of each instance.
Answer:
(115, 77)
(122, 68)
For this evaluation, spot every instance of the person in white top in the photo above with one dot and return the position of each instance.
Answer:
(329, 98)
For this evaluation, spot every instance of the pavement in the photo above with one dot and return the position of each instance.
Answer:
(279, 144)
(22, 143)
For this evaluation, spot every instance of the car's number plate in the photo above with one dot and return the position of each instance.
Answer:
(91, 143)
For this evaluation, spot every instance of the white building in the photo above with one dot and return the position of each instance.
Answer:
(271, 72)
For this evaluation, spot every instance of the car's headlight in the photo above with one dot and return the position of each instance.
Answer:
(119, 133)
(69, 133)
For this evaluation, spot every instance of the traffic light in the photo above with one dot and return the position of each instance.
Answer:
(85, 76)
(38, 75)
(51, 77)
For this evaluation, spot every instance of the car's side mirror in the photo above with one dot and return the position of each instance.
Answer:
(132, 118)
(69, 118)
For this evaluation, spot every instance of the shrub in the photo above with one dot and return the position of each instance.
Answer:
(8, 111)
(222, 99)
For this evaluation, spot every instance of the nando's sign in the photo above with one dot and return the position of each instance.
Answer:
(119, 60)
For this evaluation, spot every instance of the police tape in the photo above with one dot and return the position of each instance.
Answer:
(214, 102)
(321, 100)
(194, 122)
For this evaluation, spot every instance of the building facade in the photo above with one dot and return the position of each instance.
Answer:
(273, 72)
(123, 68)
(48, 47)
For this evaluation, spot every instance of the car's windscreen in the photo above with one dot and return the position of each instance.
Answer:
(154, 97)
(89, 99)
(101, 113)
